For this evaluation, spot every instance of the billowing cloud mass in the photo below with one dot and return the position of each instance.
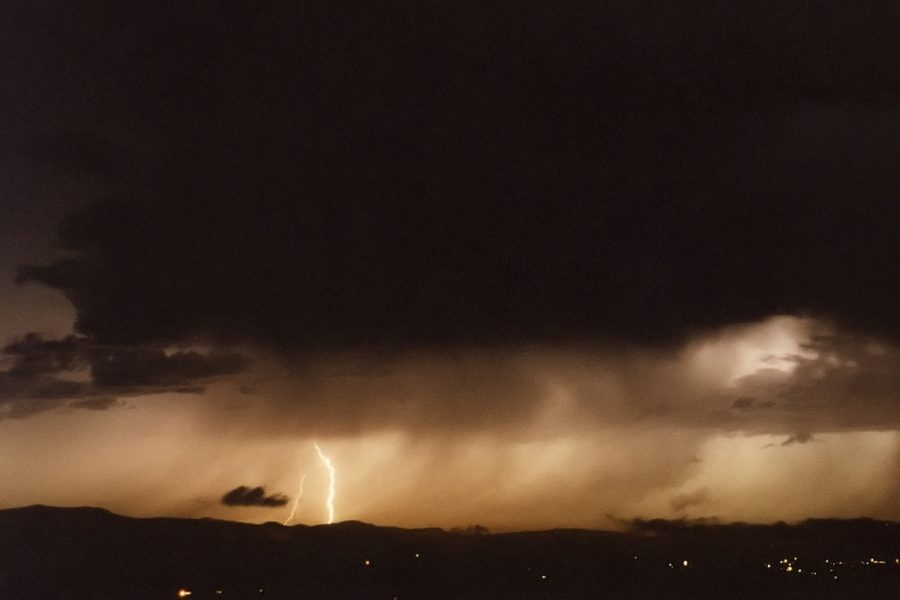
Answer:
(542, 264)
(417, 192)
(247, 496)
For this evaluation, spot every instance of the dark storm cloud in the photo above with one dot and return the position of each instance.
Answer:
(117, 367)
(34, 355)
(39, 374)
(81, 152)
(61, 389)
(246, 496)
(352, 177)
(29, 370)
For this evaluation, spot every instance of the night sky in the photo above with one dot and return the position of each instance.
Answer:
(512, 263)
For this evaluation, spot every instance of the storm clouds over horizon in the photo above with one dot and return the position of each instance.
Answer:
(586, 259)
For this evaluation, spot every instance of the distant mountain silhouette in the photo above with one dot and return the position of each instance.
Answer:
(92, 554)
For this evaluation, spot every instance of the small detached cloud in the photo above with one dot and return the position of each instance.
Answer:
(797, 438)
(96, 403)
(247, 496)
(683, 501)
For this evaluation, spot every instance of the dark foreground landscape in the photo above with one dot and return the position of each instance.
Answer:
(88, 553)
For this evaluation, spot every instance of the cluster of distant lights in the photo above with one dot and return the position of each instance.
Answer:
(830, 568)
(184, 592)
(789, 565)
(792, 565)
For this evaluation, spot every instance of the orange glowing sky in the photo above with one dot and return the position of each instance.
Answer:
(512, 438)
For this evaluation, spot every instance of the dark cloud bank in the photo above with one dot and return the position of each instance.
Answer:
(42, 374)
(311, 179)
(434, 175)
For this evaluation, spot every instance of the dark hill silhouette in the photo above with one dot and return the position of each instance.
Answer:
(92, 554)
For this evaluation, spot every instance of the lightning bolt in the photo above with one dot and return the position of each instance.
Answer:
(329, 502)
(296, 500)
